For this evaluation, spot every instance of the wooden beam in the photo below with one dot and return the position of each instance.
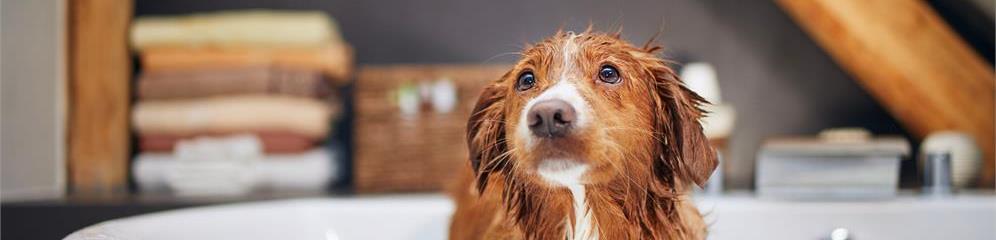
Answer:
(910, 61)
(100, 69)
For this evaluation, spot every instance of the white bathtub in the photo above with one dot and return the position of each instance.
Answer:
(427, 217)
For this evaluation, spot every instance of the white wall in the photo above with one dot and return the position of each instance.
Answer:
(32, 99)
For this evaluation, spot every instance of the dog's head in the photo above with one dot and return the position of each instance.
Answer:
(589, 108)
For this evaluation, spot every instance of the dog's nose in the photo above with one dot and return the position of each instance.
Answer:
(551, 118)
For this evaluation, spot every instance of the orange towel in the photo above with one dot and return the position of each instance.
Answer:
(333, 60)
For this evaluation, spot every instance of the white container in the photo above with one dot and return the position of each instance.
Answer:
(825, 169)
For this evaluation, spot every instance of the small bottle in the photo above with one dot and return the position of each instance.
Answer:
(937, 174)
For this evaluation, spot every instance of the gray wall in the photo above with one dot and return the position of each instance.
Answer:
(777, 78)
(32, 99)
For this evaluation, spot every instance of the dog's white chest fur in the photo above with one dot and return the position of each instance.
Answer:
(568, 174)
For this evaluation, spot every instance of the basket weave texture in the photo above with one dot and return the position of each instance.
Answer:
(398, 152)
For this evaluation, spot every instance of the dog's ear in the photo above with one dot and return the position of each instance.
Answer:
(684, 146)
(486, 133)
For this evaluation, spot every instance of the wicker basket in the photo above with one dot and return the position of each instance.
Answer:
(398, 150)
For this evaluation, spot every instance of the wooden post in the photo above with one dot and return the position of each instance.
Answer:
(911, 62)
(100, 70)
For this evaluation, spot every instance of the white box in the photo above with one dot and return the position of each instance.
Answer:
(815, 169)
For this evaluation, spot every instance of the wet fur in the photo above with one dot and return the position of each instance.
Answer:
(644, 148)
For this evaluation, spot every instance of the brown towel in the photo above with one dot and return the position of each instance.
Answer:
(232, 81)
(273, 142)
(333, 60)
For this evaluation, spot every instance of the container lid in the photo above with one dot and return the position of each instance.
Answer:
(837, 142)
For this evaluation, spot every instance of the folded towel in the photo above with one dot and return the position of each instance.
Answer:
(215, 166)
(312, 170)
(242, 148)
(332, 60)
(239, 28)
(272, 142)
(233, 81)
(233, 114)
(308, 171)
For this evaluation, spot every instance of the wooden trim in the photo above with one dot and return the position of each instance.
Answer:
(99, 75)
(911, 61)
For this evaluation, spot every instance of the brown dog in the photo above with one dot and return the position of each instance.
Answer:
(587, 137)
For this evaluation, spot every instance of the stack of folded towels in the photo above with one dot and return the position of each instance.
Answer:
(231, 102)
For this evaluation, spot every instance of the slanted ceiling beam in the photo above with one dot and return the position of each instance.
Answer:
(911, 61)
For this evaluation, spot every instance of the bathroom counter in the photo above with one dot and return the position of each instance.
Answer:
(907, 216)
(426, 216)
(735, 215)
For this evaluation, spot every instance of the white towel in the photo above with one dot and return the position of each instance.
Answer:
(309, 171)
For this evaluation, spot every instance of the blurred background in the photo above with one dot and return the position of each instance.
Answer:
(115, 108)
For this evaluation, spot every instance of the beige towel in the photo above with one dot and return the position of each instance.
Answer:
(307, 117)
(334, 60)
(238, 28)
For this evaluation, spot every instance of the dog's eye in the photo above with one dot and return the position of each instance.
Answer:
(608, 74)
(526, 81)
